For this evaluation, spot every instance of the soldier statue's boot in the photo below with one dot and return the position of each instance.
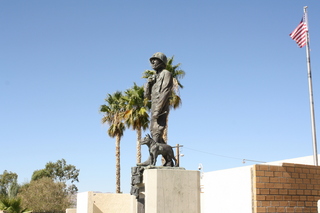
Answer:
(146, 163)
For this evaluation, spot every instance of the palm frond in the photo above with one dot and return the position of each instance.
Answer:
(148, 73)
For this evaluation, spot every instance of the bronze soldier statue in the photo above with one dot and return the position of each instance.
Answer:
(158, 90)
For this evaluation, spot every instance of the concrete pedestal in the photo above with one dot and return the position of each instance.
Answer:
(171, 190)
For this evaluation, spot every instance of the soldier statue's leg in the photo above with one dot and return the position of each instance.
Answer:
(157, 127)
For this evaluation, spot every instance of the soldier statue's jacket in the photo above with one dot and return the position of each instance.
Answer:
(160, 92)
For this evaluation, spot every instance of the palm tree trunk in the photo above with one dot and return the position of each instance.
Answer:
(118, 164)
(138, 145)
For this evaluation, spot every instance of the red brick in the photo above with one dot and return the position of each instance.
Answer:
(314, 181)
(288, 169)
(286, 197)
(313, 171)
(294, 186)
(280, 209)
(307, 192)
(292, 203)
(295, 175)
(316, 198)
(301, 198)
(317, 186)
(304, 170)
(308, 203)
(284, 203)
(292, 192)
(274, 203)
(262, 167)
(282, 169)
(284, 191)
(314, 210)
(261, 209)
(270, 197)
(306, 181)
(299, 192)
(274, 179)
(262, 179)
(287, 186)
(283, 180)
(268, 173)
(264, 191)
(285, 174)
(271, 209)
(310, 176)
(279, 185)
(310, 198)
(265, 203)
(298, 209)
(309, 186)
(302, 186)
(290, 209)
(291, 180)
(260, 197)
(274, 191)
(300, 203)
(307, 210)
(302, 175)
(260, 185)
(295, 198)
(273, 168)
(259, 173)
(278, 174)
(269, 185)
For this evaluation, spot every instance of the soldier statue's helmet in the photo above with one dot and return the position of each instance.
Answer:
(160, 56)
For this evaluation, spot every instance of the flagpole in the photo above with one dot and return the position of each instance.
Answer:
(313, 123)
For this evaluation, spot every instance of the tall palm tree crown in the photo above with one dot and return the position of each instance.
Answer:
(136, 115)
(114, 112)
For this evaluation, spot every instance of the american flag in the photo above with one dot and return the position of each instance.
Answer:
(300, 33)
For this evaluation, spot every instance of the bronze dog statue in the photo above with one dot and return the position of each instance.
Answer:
(156, 149)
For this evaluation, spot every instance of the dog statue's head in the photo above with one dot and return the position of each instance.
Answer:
(146, 140)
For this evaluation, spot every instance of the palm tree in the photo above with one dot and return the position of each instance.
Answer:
(136, 115)
(175, 100)
(12, 205)
(113, 115)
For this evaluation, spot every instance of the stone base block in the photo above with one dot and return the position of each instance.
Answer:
(171, 190)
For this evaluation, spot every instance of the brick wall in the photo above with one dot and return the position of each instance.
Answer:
(286, 188)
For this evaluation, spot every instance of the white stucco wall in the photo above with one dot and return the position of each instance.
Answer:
(227, 191)
(82, 202)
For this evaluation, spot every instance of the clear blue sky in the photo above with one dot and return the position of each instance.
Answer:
(245, 91)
